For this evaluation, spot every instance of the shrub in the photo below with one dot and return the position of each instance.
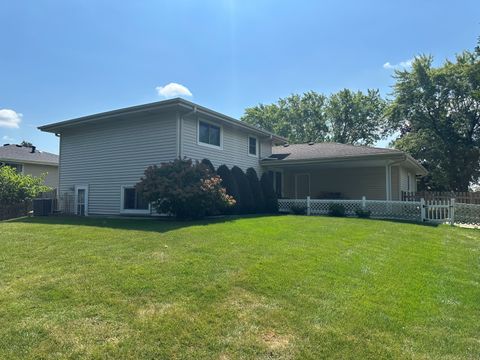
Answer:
(365, 214)
(298, 209)
(257, 193)
(336, 210)
(184, 189)
(209, 165)
(247, 204)
(269, 195)
(16, 187)
(230, 186)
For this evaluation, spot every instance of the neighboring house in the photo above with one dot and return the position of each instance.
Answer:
(103, 156)
(30, 161)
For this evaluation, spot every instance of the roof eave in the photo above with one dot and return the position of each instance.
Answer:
(177, 102)
(32, 162)
(421, 169)
(393, 156)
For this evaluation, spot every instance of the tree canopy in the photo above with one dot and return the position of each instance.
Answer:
(437, 110)
(348, 117)
(26, 143)
(16, 187)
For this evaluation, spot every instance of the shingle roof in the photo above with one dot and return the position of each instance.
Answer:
(327, 150)
(24, 154)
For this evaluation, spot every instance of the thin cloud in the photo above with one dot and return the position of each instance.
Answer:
(401, 65)
(10, 118)
(8, 138)
(173, 90)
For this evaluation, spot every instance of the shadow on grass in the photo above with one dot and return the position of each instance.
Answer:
(160, 225)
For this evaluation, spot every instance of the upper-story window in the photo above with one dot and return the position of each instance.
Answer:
(252, 146)
(209, 134)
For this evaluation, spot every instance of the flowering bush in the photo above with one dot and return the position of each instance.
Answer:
(185, 189)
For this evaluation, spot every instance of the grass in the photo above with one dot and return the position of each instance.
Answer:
(266, 287)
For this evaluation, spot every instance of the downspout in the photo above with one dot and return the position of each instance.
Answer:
(388, 177)
(180, 131)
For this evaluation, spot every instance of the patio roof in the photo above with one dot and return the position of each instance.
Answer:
(328, 152)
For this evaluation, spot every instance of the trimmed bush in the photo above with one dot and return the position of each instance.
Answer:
(337, 210)
(269, 195)
(209, 165)
(230, 185)
(247, 205)
(257, 193)
(184, 189)
(364, 214)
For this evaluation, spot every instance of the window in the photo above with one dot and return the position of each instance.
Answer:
(18, 167)
(209, 134)
(132, 201)
(252, 146)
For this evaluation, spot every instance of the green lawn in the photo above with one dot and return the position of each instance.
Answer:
(267, 287)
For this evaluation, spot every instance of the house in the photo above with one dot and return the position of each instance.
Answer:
(103, 156)
(30, 161)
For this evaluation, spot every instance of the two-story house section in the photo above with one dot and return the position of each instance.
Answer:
(103, 156)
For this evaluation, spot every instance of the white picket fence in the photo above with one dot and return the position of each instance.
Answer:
(444, 211)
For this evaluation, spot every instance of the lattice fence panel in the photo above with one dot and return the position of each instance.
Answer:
(467, 214)
(401, 210)
(285, 205)
(322, 207)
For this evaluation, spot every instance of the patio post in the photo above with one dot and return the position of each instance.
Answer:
(364, 202)
(422, 209)
(452, 211)
(308, 205)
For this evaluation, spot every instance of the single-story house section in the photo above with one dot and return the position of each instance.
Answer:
(104, 155)
(332, 170)
(30, 161)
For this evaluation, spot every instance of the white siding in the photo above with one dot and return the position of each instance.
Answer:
(235, 147)
(404, 172)
(396, 183)
(107, 155)
(50, 173)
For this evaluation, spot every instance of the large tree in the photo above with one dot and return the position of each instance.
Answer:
(437, 110)
(300, 118)
(347, 117)
(356, 117)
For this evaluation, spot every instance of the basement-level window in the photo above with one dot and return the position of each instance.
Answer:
(209, 134)
(131, 200)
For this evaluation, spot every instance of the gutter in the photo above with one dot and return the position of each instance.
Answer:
(180, 130)
(17, 161)
(159, 105)
(266, 162)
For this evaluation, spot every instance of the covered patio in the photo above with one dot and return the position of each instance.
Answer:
(338, 171)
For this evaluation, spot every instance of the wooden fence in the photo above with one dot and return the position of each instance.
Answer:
(460, 197)
(11, 211)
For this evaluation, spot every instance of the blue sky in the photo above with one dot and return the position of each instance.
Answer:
(64, 59)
